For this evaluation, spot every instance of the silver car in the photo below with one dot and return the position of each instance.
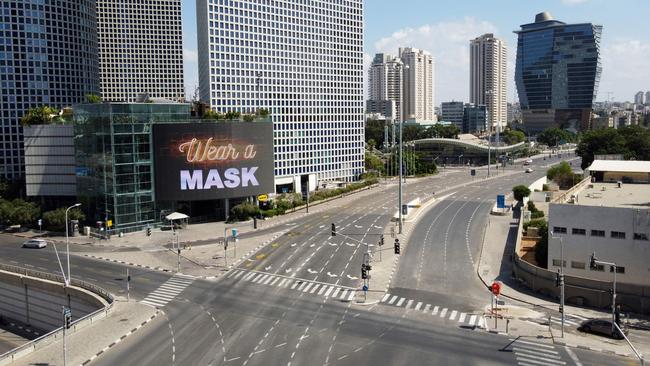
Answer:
(35, 244)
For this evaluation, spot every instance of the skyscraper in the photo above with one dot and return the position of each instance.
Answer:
(304, 63)
(418, 85)
(557, 74)
(385, 82)
(639, 98)
(140, 49)
(488, 77)
(453, 112)
(48, 57)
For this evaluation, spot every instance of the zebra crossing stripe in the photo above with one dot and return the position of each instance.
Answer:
(336, 292)
(472, 320)
(275, 279)
(408, 304)
(453, 315)
(249, 276)
(329, 290)
(294, 285)
(314, 289)
(239, 273)
(322, 289)
(418, 306)
(435, 310)
(283, 282)
(343, 293)
(461, 318)
(443, 313)
(232, 273)
(481, 322)
(271, 278)
(352, 294)
(427, 308)
(392, 300)
(383, 299)
(307, 287)
(401, 301)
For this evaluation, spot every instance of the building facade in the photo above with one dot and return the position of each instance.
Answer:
(418, 85)
(475, 119)
(50, 160)
(385, 83)
(304, 63)
(453, 112)
(558, 70)
(140, 49)
(488, 77)
(48, 56)
(639, 98)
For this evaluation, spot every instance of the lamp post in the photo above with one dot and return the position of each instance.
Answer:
(561, 280)
(67, 243)
(400, 176)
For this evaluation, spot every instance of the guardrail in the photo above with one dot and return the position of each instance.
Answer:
(563, 197)
(29, 347)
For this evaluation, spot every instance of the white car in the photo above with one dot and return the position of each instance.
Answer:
(529, 170)
(35, 243)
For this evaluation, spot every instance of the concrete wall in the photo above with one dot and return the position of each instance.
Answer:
(625, 177)
(39, 302)
(50, 160)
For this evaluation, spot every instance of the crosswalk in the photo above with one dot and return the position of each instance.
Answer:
(569, 319)
(462, 318)
(311, 287)
(168, 290)
(531, 353)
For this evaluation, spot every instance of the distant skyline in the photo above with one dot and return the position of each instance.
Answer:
(445, 31)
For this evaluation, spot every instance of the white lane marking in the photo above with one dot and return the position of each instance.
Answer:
(329, 289)
(573, 356)
(453, 315)
(392, 300)
(352, 294)
(435, 310)
(276, 279)
(383, 299)
(472, 320)
(427, 308)
(418, 306)
(443, 313)
(314, 288)
(343, 293)
(536, 352)
(269, 279)
(401, 301)
(308, 287)
(461, 318)
(311, 271)
(534, 344)
(331, 274)
(408, 304)
(294, 285)
(336, 291)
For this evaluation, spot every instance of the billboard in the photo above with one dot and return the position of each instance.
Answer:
(207, 161)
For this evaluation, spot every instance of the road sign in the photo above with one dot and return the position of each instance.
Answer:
(496, 288)
(40, 222)
(365, 288)
(109, 223)
(473, 172)
(263, 198)
(501, 201)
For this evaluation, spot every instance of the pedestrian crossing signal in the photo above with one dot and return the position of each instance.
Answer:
(148, 231)
(364, 272)
(333, 229)
(397, 247)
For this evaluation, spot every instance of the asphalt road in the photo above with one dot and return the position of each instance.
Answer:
(242, 320)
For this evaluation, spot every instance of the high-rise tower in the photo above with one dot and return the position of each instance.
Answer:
(488, 78)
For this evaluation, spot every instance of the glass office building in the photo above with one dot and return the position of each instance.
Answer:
(558, 70)
(114, 158)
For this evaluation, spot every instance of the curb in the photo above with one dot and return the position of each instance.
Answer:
(121, 338)
(594, 349)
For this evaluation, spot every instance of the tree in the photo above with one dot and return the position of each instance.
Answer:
(512, 137)
(93, 98)
(55, 220)
(520, 192)
(562, 174)
(553, 136)
(18, 212)
(375, 131)
(249, 118)
(371, 144)
(38, 116)
(541, 249)
(243, 211)
(441, 131)
(373, 162)
(633, 142)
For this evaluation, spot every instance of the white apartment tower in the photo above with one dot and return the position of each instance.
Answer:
(488, 78)
(385, 82)
(140, 49)
(301, 60)
(418, 85)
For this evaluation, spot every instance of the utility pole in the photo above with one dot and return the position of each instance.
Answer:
(593, 264)
(560, 278)
(400, 176)
(128, 285)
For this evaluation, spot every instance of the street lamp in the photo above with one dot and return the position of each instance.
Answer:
(400, 175)
(561, 274)
(67, 243)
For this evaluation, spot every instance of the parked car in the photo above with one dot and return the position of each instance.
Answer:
(529, 170)
(602, 327)
(35, 244)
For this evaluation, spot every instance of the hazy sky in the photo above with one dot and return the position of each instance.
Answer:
(444, 28)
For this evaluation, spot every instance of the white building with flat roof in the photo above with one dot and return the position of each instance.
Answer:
(488, 77)
(419, 77)
(303, 61)
(609, 220)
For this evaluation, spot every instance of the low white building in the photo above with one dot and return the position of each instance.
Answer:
(610, 220)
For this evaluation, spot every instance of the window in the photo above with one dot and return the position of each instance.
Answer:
(640, 236)
(559, 230)
(599, 268)
(619, 269)
(618, 235)
(578, 265)
(556, 263)
(598, 233)
(576, 231)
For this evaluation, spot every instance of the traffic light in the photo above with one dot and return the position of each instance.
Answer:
(381, 241)
(148, 231)
(592, 261)
(333, 229)
(397, 248)
(561, 309)
(364, 272)
(68, 319)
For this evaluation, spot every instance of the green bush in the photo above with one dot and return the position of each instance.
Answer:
(541, 249)
(269, 213)
(244, 211)
(55, 220)
(248, 118)
(534, 223)
(536, 214)
(520, 192)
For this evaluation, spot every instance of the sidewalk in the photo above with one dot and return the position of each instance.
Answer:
(495, 264)
(84, 345)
